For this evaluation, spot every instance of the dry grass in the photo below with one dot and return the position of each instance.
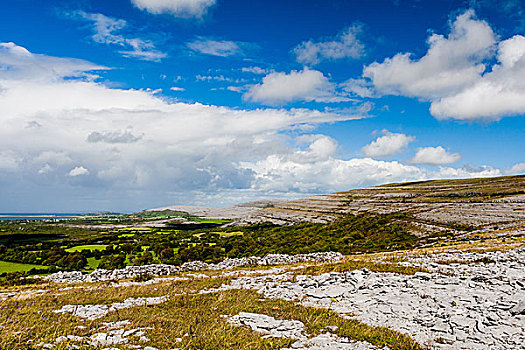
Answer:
(195, 318)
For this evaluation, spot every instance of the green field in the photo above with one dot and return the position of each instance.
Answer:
(140, 229)
(126, 235)
(93, 263)
(91, 247)
(229, 234)
(212, 221)
(6, 266)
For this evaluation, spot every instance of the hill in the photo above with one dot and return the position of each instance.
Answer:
(463, 205)
(422, 265)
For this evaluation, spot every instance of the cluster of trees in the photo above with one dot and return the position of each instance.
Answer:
(361, 233)
(54, 256)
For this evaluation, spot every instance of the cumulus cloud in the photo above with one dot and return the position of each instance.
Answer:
(25, 65)
(222, 48)
(499, 93)
(358, 87)
(518, 168)
(306, 85)
(344, 45)
(176, 8)
(255, 70)
(469, 74)
(78, 171)
(131, 149)
(434, 156)
(450, 64)
(465, 172)
(318, 170)
(130, 140)
(104, 32)
(387, 145)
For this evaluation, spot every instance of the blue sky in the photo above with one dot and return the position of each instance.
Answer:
(130, 104)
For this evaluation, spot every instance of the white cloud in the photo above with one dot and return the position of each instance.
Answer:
(45, 169)
(387, 145)
(306, 85)
(25, 65)
(9, 160)
(518, 168)
(222, 48)
(176, 8)
(132, 141)
(140, 150)
(78, 171)
(220, 78)
(255, 70)
(434, 156)
(451, 63)
(470, 74)
(104, 29)
(500, 92)
(344, 45)
(318, 170)
(177, 88)
(239, 89)
(465, 172)
(358, 87)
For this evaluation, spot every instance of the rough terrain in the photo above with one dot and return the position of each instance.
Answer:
(465, 290)
(433, 206)
(480, 306)
(468, 299)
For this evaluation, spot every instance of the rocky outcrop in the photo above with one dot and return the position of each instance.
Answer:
(92, 312)
(437, 205)
(163, 269)
(292, 329)
(469, 300)
(233, 212)
(481, 306)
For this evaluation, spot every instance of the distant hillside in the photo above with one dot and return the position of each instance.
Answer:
(234, 212)
(487, 203)
(432, 206)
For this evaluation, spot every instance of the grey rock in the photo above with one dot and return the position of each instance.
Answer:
(269, 325)
(519, 308)
(452, 307)
(163, 269)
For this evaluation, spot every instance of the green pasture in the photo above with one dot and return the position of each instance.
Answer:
(92, 263)
(212, 221)
(91, 247)
(7, 266)
(229, 234)
(222, 234)
(126, 235)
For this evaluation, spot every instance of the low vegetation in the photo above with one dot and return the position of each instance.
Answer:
(186, 321)
(87, 249)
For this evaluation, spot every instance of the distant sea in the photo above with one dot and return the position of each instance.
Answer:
(38, 216)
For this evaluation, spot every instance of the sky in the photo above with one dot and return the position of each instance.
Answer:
(125, 105)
